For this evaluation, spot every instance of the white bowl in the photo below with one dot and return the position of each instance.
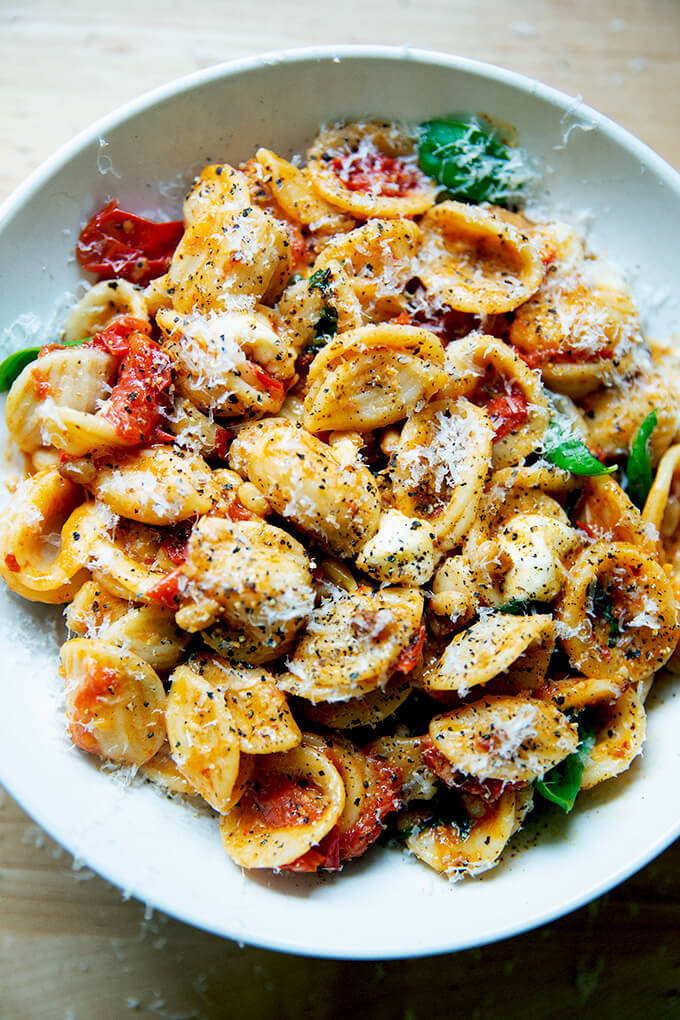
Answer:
(387, 905)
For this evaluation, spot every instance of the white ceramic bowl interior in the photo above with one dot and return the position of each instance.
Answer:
(386, 905)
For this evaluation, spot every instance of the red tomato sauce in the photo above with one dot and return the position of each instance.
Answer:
(376, 173)
(116, 244)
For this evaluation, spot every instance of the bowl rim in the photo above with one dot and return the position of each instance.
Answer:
(22, 195)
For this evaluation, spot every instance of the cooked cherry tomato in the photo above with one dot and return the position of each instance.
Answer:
(410, 655)
(385, 798)
(326, 855)
(98, 682)
(489, 789)
(167, 591)
(273, 386)
(282, 801)
(376, 173)
(116, 244)
(237, 512)
(114, 339)
(223, 438)
(135, 406)
(174, 543)
(507, 410)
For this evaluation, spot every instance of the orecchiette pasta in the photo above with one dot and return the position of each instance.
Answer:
(351, 494)
(115, 702)
(371, 377)
(476, 261)
(306, 484)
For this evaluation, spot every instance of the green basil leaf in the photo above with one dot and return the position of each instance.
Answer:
(603, 605)
(14, 364)
(566, 451)
(327, 324)
(470, 161)
(319, 280)
(523, 607)
(639, 466)
(561, 784)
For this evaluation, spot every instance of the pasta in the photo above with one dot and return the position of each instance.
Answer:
(363, 499)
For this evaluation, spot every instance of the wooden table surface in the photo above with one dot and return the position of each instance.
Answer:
(70, 947)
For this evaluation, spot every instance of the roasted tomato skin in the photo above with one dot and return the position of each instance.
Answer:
(386, 798)
(490, 789)
(116, 244)
(410, 655)
(168, 591)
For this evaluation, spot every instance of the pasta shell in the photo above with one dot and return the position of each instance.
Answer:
(353, 644)
(229, 362)
(156, 485)
(260, 711)
(252, 576)
(203, 737)
(115, 702)
(312, 796)
(148, 631)
(304, 483)
(162, 771)
(619, 737)
(295, 195)
(605, 512)
(379, 259)
(617, 615)
(300, 312)
(491, 374)
(218, 186)
(451, 851)
(36, 558)
(614, 414)
(102, 303)
(70, 379)
(476, 261)
(401, 551)
(578, 335)
(506, 738)
(438, 471)
(373, 376)
(95, 541)
(379, 161)
(368, 710)
(492, 646)
(225, 254)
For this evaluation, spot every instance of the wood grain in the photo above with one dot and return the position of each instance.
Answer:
(70, 947)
